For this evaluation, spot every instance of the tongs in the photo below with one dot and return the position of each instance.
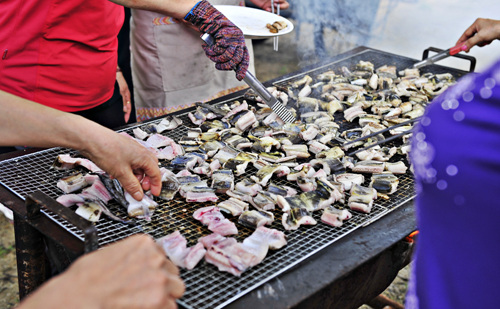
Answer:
(275, 39)
(262, 91)
(439, 56)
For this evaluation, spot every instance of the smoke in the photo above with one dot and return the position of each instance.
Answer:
(325, 28)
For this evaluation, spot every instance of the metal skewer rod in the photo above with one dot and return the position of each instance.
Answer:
(276, 37)
(272, 11)
(381, 131)
(380, 142)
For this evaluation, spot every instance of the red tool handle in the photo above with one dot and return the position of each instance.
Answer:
(455, 50)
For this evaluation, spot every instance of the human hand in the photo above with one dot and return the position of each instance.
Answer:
(229, 51)
(126, 160)
(482, 32)
(131, 273)
(266, 4)
(125, 92)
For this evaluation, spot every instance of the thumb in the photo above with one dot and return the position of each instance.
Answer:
(131, 184)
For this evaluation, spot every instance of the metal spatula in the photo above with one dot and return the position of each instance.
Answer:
(257, 86)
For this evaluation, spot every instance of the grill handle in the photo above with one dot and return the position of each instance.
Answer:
(472, 60)
(37, 199)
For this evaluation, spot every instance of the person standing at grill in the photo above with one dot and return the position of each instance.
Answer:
(481, 33)
(456, 160)
(132, 273)
(64, 55)
(169, 69)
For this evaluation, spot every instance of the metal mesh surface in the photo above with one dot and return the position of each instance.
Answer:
(206, 287)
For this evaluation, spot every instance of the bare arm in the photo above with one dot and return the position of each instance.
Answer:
(26, 123)
(131, 273)
(175, 8)
(482, 32)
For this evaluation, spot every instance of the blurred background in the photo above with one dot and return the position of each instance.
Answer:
(405, 27)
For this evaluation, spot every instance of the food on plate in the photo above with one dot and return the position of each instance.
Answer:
(276, 26)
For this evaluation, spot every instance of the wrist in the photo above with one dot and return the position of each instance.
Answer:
(190, 14)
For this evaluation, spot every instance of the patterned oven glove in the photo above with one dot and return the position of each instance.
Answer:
(229, 51)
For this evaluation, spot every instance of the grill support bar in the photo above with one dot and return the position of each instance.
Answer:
(33, 236)
(32, 262)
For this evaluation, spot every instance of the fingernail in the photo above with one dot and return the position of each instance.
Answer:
(464, 47)
(137, 196)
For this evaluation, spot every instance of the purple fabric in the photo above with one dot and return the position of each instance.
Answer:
(229, 51)
(456, 158)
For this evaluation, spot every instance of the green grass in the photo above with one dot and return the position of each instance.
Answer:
(6, 250)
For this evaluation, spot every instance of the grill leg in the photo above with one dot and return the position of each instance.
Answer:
(32, 262)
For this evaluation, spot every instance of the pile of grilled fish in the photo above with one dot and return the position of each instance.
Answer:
(240, 160)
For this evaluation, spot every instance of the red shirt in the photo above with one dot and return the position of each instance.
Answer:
(60, 53)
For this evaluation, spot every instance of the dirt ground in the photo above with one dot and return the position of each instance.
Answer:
(9, 295)
(294, 52)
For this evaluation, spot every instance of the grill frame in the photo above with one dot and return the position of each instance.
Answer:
(230, 285)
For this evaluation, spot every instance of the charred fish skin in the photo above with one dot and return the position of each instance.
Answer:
(72, 183)
(223, 180)
(169, 187)
(362, 198)
(255, 218)
(115, 189)
(384, 182)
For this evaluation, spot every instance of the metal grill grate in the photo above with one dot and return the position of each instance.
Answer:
(206, 287)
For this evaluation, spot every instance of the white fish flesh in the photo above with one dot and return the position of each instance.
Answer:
(233, 257)
(362, 198)
(140, 134)
(332, 153)
(299, 151)
(352, 112)
(237, 109)
(264, 174)
(334, 216)
(142, 209)
(296, 217)
(369, 166)
(306, 184)
(158, 140)
(175, 247)
(230, 256)
(98, 191)
(246, 121)
(201, 194)
(396, 167)
(215, 221)
(348, 179)
(170, 185)
(66, 162)
(222, 180)
(304, 171)
(384, 182)
(329, 165)
(255, 218)
(248, 186)
(233, 206)
(263, 201)
(89, 211)
(168, 123)
(72, 183)
(263, 239)
(72, 199)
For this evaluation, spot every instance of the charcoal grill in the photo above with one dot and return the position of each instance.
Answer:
(206, 287)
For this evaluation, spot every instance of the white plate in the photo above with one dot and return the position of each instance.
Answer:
(253, 21)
